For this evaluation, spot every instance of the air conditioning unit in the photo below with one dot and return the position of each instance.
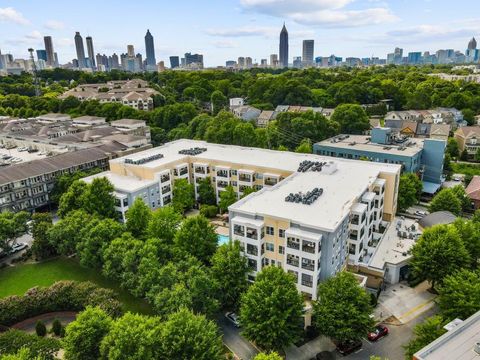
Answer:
(476, 347)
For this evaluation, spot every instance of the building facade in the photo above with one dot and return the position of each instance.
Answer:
(150, 51)
(80, 50)
(283, 48)
(302, 216)
(307, 53)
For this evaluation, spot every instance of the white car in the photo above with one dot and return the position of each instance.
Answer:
(233, 318)
(18, 247)
(420, 213)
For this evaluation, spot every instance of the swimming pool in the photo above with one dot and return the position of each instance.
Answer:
(222, 239)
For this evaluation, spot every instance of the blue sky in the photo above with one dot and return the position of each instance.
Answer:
(226, 29)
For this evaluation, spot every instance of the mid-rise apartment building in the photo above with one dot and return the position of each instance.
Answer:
(308, 214)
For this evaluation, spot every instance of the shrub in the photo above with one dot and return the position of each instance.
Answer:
(57, 327)
(61, 296)
(40, 328)
(209, 211)
(13, 340)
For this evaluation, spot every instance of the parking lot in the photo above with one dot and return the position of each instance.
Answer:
(22, 156)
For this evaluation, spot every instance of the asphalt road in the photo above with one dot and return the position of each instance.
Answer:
(390, 347)
(237, 343)
(27, 238)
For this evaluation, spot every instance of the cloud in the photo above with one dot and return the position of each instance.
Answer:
(326, 13)
(243, 31)
(54, 25)
(224, 44)
(9, 14)
(34, 35)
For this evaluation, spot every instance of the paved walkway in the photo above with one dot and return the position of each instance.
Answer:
(310, 349)
(28, 325)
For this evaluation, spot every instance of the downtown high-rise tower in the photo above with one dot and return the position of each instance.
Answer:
(283, 51)
(150, 51)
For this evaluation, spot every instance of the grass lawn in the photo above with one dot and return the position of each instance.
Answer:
(467, 169)
(18, 279)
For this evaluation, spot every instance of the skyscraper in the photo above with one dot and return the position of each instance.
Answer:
(174, 62)
(49, 49)
(150, 51)
(91, 55)
(273, 60)
(283, 58)
(130, 51)
(42, 55)
(472, 44)
(307, 54)
(80, 50)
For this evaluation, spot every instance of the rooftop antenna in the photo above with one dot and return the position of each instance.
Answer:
(35, 75)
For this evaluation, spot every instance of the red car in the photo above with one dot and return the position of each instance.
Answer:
(379, 332)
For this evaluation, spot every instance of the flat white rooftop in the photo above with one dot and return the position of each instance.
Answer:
(239, 155)
(340, 191)
(363, 143)
(122, 183)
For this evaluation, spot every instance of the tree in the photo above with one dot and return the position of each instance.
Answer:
(452, 148)
(352, 118)
(188, 336)
(469, 232)
(138, 217)
(343, 309)
(98, 199)
(41, 247)
(164, 223)
(96, 237)
(409, 191)
(424, 334)
(305, 147)
(83, 336)
(183, 195)
(477, 155)
(12, 225)
(57, 327)
(464, 155)
(271, 309)
(72, 199)
(40, 328)
(133, 337)
(459, 294)
(219, 101)
(197, 237)
(439, 252)
(227, 198)
(40, 348)
(461, 195)
(270, 356)
(206, 192)
(230, 269)
(446, 200)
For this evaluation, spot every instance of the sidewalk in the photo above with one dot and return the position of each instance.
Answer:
(310, 349)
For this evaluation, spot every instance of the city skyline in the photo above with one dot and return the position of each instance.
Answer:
(245, 28)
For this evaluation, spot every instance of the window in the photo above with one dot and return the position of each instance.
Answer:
(307, 280)
(239, 230)
(281, 249)
(281, 233)
(233, 172)
(252, 250)
(270, 230)
(270, 246)
(293, 243)
(252, 264)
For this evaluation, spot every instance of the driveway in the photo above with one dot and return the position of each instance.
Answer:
(234, 341)
(310, 349)
(27, 238)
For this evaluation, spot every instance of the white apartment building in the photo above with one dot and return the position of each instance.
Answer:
(309, 214)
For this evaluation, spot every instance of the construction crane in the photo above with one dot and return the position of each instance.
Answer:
(35, 75)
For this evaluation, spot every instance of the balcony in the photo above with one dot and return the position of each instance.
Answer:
(222, 173)
(293, 260)
(239, 230)
(252, 233)
(245, 177)
(200, 170)
(308, 247)
(308, 264)
(252, 250)
(293, 243)
(307, 282)
(166, 189)
(353, 235)
(222, 184)
(355, 220)
(165, 178)
(270, 181)
(180, 172)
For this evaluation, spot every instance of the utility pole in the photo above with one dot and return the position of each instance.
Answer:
(35, 75)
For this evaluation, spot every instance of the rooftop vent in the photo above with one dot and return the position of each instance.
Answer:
(192, 151)
(476, 347)
(143, 160)
(308, 165)
(307, 199)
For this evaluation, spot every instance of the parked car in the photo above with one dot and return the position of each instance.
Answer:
(233, 318)
(18, 247)
(420, 213)
(379, 332)
(349, 346)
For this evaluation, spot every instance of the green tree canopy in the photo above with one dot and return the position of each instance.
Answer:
(343, 308)
(206, 192)
(227, 198)
(270, 356)
(446, 200)
(271, 310)
(409, 191)
(12, 225)
(41, 247)
(230, 269)
(164, 223)
(183, 195)
(138, 217)
(459, 294)
(352, 118)
(197, 237)
(84, 335)
(452, 148)
(424, 334)
(439, 252)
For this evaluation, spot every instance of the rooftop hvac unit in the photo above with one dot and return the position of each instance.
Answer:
(476, 347)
